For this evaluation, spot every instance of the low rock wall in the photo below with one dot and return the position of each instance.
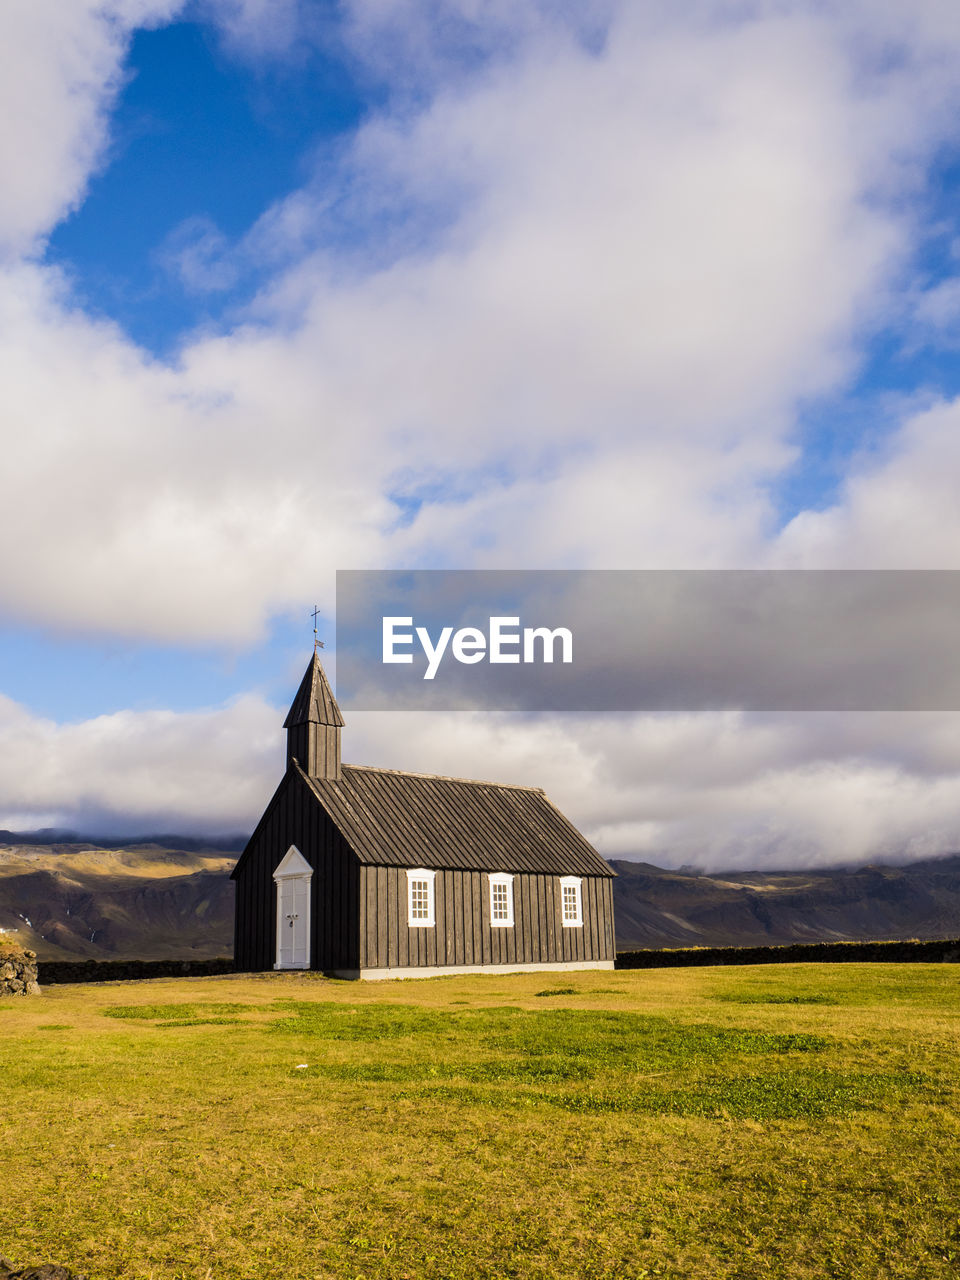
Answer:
(18, 972)
(937, 952)
(56, 972)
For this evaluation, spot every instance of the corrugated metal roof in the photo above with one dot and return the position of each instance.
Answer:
(398, 819)
(314, 703)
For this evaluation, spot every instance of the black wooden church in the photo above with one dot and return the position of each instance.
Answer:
(378, 873)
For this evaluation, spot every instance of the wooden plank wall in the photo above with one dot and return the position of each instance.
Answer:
(359, 914)
(317, 749)
(462, 933)
(296, 818)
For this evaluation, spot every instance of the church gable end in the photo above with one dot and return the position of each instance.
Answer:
(294, 818)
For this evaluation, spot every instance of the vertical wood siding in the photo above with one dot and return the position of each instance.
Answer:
(317, 748)
(463, 935)
(359, 913)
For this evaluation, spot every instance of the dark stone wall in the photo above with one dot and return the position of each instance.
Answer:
(945, 951)
(939, 952)
(56, 972)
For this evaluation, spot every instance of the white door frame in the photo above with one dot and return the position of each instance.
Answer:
(292, 878)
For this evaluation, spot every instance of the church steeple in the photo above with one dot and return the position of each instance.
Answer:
(313, 725)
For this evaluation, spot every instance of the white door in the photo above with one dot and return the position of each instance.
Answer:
(293, 924)
(292, 878)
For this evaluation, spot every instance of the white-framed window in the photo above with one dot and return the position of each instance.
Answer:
(420, 899)
(501, 900)
(571, 902)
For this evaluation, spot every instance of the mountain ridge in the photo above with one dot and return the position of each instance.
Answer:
(144, 900)
(655, 907)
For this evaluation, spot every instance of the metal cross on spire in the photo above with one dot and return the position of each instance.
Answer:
(317, 642)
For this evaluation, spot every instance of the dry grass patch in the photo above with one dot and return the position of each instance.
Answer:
(651, 1123)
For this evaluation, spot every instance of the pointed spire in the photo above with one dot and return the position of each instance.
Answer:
(314, 703)
(313, 725)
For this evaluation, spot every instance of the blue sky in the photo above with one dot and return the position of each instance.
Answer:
(295, 286)
(202, 137)
(197, 136)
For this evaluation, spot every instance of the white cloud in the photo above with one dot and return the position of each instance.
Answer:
(714, 790)
(938, 309)
(198, 254)
(649, 253)
(144, 771)
(595, 276)
(265, 28)
(620, 266)
(60, 68)
(146, 504)
(898, 509)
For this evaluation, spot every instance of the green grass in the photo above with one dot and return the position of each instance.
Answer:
(181, 1015)
(697, 1124)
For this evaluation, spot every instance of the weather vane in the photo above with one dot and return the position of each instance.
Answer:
(317, 642)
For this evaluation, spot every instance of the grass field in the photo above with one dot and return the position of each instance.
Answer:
(782, 1121)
